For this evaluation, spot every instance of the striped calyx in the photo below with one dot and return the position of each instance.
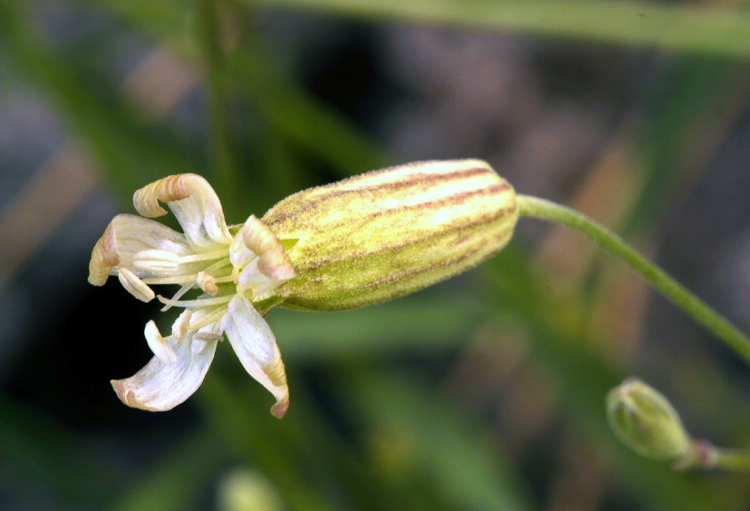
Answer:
(390, 232)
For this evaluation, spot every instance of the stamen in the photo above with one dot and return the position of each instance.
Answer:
(207, 336)
(158, 345)
(207, 283)
(184, 279)
(200, 340)
(211, 317)
(156, 260)
(201, 302)
(184, 289)
(134, 285)
(207, 256)
(170, 280)
(191, 284)
(217, 266)
(181, 325)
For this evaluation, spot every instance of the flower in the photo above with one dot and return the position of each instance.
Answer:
(233, 268)
(356, 242)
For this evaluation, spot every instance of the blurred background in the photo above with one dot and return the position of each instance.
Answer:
(484, 392)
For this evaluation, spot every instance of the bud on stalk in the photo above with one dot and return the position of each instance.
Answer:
(646, 422)
(390, 232)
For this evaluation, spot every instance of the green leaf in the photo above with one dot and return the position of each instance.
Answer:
(130, 159)
(465, 468)
(173, 482)
(701, 29)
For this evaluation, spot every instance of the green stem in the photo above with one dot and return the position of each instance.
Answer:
(732, 459)
(670, 288)
(704, 455)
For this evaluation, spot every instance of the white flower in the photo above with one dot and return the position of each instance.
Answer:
(231, 271)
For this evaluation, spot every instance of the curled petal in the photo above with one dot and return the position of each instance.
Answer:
(104, 256)
(255, 346)
(193, 202)
(274, 261)
(171, 188)
(126, 236)
(265, 263)
(159, 386)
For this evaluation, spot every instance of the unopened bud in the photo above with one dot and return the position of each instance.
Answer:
(388, 233)
(246, 490)
(646, 422)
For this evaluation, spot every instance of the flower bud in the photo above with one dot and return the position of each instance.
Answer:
(246, 490)
(646, 422)
(390, 232)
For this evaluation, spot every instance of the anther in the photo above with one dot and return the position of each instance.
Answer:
(134, 285)
(158, 345)
(156, 260)
(180, 326)
(207, 283)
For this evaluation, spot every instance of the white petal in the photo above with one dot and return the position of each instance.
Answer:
(255, 345)
(159, 386)
(193, 202)
(198, 345)
(125, 236)
(135, 233)
(239, 254)
(251, 278)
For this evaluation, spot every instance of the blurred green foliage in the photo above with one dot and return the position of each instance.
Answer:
(387, 434)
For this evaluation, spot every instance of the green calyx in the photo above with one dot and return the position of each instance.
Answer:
(391, 232)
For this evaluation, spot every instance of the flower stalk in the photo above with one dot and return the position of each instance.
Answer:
(645, 421)
(729, 459)
(675, 292)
